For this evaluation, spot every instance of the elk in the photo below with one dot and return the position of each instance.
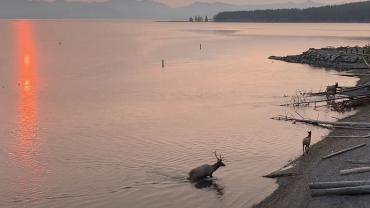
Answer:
(206, 170)
(306, 143)
(331, 90)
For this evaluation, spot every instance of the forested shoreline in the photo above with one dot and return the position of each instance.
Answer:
(351, 12)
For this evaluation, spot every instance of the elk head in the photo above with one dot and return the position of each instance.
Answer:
(219, 158)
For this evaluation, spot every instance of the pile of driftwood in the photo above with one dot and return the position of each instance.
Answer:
(337, 97)
(343, 187)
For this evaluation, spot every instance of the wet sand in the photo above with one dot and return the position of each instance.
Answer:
(293, 191)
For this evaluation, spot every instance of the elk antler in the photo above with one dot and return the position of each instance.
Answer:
(218, 157)
(215, 153)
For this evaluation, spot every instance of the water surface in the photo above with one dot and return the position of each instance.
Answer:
(89, 118)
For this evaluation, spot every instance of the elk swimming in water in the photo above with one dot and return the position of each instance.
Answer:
(206, 170)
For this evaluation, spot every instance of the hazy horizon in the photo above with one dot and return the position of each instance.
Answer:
(145, 9)
(176, 3)
(251, 2)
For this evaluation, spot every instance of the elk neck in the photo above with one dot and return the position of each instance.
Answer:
(216, 166)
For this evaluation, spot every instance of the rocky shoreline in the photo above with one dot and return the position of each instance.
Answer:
(341, 58)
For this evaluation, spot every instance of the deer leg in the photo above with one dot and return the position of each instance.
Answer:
(303, 150)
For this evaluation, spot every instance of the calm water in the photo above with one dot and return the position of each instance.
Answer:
(90, 119)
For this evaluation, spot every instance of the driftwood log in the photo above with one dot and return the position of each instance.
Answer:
(358, 161)
(358, 87)
(307, 102)
(349, 137)
(343, 151)
(367, 64)
(356, 190)
(336, 124)
(280, 173)
(354, 170)
(338, 184)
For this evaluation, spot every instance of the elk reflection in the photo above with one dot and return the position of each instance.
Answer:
(210, 185)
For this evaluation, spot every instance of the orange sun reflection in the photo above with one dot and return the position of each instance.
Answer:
(26, 144)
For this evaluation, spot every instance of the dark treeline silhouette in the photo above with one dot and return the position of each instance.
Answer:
(351, 12)
(198, 19)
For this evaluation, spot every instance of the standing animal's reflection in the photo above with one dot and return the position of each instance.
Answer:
(209, 184)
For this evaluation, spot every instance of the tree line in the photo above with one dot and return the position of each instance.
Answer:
(198, 19)
(351, 12)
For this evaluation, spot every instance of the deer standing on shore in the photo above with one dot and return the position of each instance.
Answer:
(206, 170)
(306, 143)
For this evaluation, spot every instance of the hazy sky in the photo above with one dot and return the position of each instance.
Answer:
(184, 2)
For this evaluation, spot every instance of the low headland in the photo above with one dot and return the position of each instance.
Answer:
(294, 189)
(341, 58)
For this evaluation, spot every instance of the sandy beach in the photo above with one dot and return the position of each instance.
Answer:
(293, 190)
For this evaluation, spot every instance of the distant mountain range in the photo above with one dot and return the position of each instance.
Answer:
(351, 12)
(127, 9)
